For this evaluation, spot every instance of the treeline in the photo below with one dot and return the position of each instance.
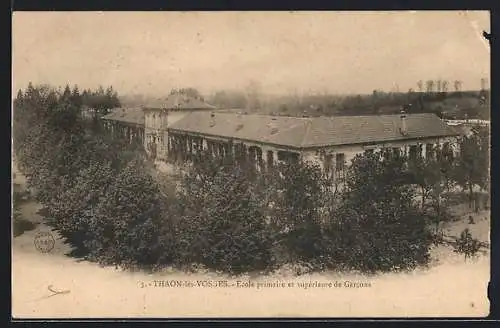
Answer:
(221, 213)
(102, 100)
(451, 104)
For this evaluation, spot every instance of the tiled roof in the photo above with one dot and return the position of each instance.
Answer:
(126, 115)
(314, 131)
(179, 102)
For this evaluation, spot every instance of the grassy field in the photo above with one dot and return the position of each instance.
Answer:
(449, 287)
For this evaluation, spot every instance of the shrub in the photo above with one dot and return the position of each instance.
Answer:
(466, 244)
(20, 226)
(128, 226)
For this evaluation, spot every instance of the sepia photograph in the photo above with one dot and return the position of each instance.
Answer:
(250, 164)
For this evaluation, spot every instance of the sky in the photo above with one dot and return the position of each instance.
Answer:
(284, 52)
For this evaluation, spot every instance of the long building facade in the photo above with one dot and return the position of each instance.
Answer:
(184, 127)
(148, 125)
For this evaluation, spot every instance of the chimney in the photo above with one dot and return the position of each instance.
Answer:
(403, 128)
(212, 119)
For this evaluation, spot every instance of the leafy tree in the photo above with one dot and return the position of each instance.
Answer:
(223, 225)
(426, 174)
(299, 202)
(472, 165)
(128, 223)
(230, 99)
(72, 211)
(101, 100)
(191, 92)
(46, 134)
(378, 226)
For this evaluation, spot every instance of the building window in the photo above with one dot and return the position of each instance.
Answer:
(386, 153)
(327, 163)
(339, 162)
(429, 150)
(270, 158)
(413, 152)
(286, 156)
(447, 151)
(396, 152)
(252, 154)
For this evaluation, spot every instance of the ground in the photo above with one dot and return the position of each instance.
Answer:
(450, 287)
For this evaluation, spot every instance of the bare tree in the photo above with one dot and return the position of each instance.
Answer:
(429, 85)
(444, 86)
(457, 85)
(253, 91)
(410, 95)
(420, 86)
(484, 82)
(439, 85)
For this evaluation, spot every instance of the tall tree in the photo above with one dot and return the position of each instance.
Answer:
(420, 86)
(190, 92)
(439, 85)
(76, 98)
(444, 86)
(298, 209)
(429, 85)
(223, 223)
(378, 222)
(432, 181)
(472, 165)
(66, 95)
(375, 101)
(253, 93)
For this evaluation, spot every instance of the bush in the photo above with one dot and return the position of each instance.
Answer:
(71, 211)
(466, 244)
(20, 226)
(128, 226)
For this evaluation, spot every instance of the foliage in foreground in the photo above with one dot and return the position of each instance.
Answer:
(100, 197)
(379, 226)
(466, 244)
(223, 224)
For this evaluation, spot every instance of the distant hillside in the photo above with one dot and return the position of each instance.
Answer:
(472, 104)
(451, 105)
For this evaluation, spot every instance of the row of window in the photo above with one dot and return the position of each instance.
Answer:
(339, 162)
(413, 152)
